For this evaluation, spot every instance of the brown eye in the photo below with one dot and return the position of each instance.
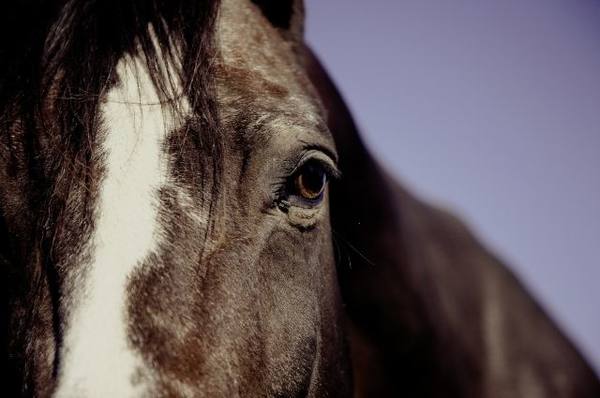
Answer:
(310, 181)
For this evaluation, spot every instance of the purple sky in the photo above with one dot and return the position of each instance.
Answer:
(491, 109)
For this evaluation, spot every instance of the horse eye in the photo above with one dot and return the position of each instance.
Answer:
(310, 181)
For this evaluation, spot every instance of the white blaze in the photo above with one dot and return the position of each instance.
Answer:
(97, 359)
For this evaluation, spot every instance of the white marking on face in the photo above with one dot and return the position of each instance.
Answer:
(97, 359)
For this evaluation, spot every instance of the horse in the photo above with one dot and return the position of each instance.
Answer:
(187, 209)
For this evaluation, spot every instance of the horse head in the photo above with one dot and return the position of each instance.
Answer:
(186, 209)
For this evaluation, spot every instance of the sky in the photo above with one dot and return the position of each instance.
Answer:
(491, 109)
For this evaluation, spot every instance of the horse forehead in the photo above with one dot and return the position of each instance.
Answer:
(126, 231)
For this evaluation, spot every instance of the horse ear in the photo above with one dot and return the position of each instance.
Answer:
(285, 15)
(430, 312)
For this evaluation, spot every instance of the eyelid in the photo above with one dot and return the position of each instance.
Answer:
(326, 161)
(282, 197)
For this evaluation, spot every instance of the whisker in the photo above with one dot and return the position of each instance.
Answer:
(353, 248)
